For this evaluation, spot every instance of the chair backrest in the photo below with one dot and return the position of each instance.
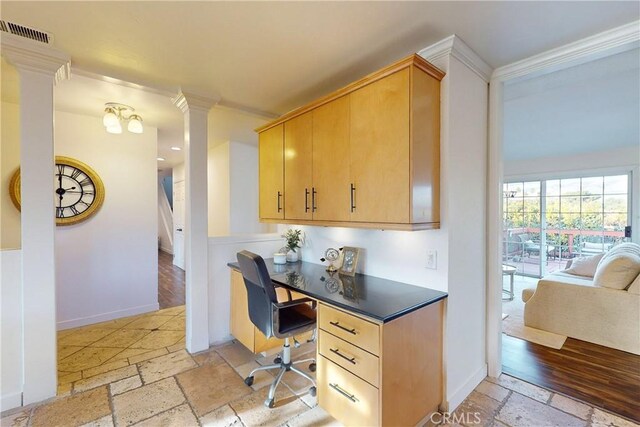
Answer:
(261, 292)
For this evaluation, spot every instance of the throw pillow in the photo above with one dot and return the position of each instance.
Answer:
(617, 271)
(585, 265)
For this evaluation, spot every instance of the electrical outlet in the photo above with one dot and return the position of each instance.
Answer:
(432, 259)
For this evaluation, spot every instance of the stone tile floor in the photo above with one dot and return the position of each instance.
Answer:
(135, 371)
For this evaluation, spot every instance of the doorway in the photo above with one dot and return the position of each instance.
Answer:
(554, 208)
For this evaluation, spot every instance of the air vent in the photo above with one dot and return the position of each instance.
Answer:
(26, 32)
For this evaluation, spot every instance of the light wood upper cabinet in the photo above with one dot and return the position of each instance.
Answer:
(379, 146)
(298, 179)
(331, 178)
(368, 155)
(271, 163)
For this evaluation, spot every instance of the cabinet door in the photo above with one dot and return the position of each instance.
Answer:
(241, 327)
(298, 140)
(271, 151)
(379, 146)
(331, 176)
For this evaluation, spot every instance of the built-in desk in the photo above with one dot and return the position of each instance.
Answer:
(379, 358)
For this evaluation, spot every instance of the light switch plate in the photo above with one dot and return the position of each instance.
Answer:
(432, 259)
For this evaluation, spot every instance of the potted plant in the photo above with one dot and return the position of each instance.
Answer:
(294, 240)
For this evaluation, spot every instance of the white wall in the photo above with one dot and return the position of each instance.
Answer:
(219, 190)
(9, 162)
(233, 190)
(466, 172)
(627, 157)
(11, 356)
(223, 250)
(107, 266)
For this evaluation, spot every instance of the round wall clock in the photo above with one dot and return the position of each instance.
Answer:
(78, 191)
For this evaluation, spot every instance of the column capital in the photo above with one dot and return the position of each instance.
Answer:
(35, 56)
(186, 101)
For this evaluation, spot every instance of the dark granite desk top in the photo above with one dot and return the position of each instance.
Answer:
(374, 297)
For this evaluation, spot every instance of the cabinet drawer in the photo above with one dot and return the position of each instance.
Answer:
(352, 329)
(347, 398)
(352, 358)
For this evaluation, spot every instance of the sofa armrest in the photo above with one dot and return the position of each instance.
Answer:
(604, 316)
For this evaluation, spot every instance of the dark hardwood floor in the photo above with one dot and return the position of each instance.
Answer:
(171, 291)
(600, 376)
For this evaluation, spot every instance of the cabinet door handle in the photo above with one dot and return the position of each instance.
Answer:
(338, 325)
(353, 197)
(343, 392)
(313, 199)
(306, 200)
(348, 359)
(279, 197)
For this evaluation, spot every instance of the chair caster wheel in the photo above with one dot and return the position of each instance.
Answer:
(270, 403)
(248, 381)
(277, 360)
(312, 367)
(312, 392)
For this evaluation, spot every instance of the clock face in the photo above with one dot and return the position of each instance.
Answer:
(332, 254)
(75, 191)
(78, 191)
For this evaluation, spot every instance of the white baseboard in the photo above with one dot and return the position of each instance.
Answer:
(166, 250)
(10, 401)
(103, 317)
(457, 397)
(221, 341)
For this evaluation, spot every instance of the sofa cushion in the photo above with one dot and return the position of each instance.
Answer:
(623, 248)
(562, 277)
(585, 265)
(634, 287)
(617, 271)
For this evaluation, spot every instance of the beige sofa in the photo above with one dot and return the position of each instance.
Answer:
(571, 305)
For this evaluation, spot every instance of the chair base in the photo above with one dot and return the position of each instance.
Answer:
(285, 365)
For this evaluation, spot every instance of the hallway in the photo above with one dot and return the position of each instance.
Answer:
(171, 282)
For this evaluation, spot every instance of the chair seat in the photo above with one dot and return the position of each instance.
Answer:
(296, 317)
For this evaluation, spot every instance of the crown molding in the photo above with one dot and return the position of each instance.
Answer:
(30, 55)
(154, 89)
(454, 46)
(187, 101)
(232, 106)
(616, 40)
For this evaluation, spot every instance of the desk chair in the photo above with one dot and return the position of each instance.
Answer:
(275, 319)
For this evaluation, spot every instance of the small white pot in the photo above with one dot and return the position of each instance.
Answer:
(279, 258)
(292, 256)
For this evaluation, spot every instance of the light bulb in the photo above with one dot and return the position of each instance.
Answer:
(115, 129)
(135, 124)
(110, 118)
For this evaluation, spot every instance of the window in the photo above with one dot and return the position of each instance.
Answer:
(547, 222)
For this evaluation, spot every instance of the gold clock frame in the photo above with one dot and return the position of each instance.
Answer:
(14, 190)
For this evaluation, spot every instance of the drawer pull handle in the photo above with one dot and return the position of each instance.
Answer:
(338, 325)
(346, 394)
(348, 359)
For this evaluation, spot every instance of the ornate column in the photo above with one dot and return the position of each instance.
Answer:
(196, 109)
(40, 66)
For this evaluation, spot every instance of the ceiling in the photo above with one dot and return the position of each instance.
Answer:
(593, 107)
(86, 94)
(275, 56)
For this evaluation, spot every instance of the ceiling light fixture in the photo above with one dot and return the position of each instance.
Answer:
(161, 159)
(114, 115)
(176, 148)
